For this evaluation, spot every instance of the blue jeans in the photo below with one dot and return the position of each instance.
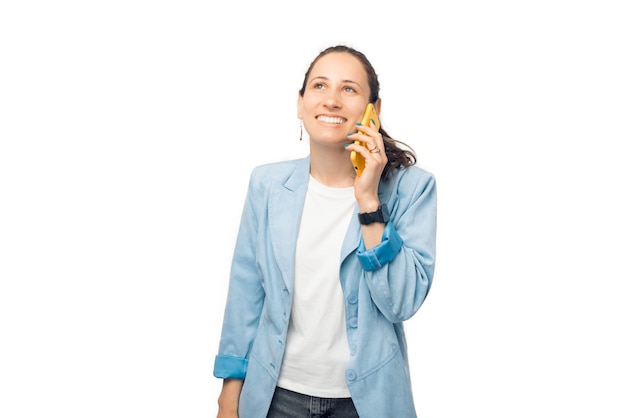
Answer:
(288, 404)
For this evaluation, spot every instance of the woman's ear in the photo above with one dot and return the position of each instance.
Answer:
(377, 105)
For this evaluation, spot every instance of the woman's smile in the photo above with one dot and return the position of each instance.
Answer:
(335, 120)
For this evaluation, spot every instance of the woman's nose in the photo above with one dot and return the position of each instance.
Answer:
(332, 99)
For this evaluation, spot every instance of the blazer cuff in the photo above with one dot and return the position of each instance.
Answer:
(229, 367)
(383, 253)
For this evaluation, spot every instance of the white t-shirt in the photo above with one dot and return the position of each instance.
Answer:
(317, 346)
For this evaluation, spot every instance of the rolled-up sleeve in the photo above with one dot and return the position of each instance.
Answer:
(383, 253)
(230, 367)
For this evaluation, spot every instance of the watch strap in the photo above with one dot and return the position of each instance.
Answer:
(380, 215)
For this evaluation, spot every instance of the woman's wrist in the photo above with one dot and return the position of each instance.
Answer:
(368, 205)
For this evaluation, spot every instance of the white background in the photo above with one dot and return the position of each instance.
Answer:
(128, 130)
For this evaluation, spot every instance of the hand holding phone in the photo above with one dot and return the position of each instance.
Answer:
(357, 159)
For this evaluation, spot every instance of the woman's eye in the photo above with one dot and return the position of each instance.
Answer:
(318, 86)
(350, 90)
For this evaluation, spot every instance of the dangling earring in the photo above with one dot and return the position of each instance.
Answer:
(300, 130)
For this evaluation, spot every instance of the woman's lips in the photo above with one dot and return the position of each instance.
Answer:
(331, 119)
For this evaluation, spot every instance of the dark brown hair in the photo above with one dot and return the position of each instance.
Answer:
(398, 153)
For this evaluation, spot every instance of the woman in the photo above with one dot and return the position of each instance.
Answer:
(328, 264)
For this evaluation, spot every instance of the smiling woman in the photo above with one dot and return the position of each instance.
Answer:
(328, 263)
(352, 92)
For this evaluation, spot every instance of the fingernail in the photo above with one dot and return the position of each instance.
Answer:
(346, 145)
(373, 123)
(359, 124)
(350, 134)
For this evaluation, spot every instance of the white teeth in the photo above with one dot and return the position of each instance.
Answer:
(329, 119)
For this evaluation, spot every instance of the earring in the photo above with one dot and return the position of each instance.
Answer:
(300, 130)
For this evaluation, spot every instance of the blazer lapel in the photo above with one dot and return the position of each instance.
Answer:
(284, 211)
(353, 235)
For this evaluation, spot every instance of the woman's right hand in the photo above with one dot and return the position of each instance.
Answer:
(228, 400)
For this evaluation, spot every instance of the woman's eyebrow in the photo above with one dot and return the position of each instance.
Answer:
(321, 77)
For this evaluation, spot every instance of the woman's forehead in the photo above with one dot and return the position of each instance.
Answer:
(339, 65)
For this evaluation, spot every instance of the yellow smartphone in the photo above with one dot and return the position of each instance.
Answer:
(357, 159)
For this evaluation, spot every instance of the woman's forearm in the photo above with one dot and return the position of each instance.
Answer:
(228, 400)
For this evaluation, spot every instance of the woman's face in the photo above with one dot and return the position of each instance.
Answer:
(334, 99)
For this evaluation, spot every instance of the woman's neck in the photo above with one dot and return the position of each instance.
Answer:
(332, 167)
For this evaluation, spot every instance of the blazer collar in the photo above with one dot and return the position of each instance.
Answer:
(284, 211)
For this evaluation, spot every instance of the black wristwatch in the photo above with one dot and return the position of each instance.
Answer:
(381, 215)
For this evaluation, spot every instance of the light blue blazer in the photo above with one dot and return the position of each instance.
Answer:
(382, 287)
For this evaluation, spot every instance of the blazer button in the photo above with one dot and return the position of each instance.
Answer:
(353, 322)
(350, 374)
